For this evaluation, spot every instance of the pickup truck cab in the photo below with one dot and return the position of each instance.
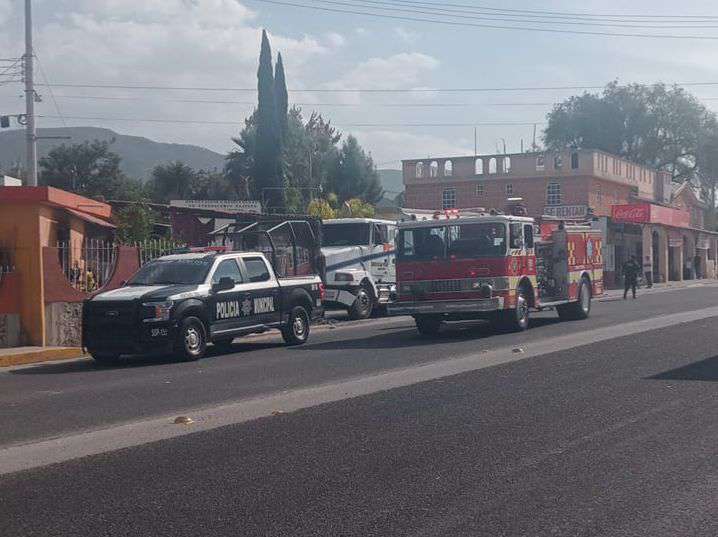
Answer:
(180, 303)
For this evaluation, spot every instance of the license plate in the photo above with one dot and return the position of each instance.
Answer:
(331, 294)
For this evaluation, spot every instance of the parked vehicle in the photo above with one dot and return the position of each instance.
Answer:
(180, 303)
(497, 267)
(360, 264)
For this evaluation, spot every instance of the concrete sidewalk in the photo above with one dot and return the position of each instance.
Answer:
(30, 355)
(614, 294)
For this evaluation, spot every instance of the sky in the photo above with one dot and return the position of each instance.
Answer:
(215, 44)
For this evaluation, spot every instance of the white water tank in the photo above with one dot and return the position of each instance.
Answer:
(6, 180)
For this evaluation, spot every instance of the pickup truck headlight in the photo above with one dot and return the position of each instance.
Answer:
(158, 311)
(343, 277)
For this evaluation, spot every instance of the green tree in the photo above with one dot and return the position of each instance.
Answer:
(240, 161)
(267, 163)
(89, 169)
(281, 98)
(212, 186)
(357, 208)
(708, 171)
(320, 208)
(355, 175)
(173, 180)
(134, 223)
(656, 126)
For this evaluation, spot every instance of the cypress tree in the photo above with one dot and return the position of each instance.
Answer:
(282, 98)
(268, 151)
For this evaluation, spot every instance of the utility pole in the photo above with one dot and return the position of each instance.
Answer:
(31, 155)
(476, 142)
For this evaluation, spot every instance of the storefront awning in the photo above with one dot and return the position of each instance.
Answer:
(649, 213)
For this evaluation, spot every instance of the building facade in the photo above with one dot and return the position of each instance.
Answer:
(578, 185)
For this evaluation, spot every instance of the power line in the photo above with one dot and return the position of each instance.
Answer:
(533, 14)
(343, 125)
(361, 90)
(489, 26)
(429, 9)
(49, 88)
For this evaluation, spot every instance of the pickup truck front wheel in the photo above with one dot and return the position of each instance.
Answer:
(296, 331)
(191, 341)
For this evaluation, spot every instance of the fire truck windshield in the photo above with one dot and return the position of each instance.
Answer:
(346, 234)
(464, 241)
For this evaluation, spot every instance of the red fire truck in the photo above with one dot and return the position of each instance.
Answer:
(453, 267)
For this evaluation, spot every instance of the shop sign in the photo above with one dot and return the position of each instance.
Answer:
(224, 206)
(635, 213)
(566, 211)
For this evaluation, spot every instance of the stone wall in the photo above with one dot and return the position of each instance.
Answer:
(63, 324)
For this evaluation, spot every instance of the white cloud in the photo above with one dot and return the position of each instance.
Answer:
(399, 71)
(335, 40)
(5, 11)
(405, 35)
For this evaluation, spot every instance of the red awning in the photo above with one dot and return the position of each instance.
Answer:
(91, 219)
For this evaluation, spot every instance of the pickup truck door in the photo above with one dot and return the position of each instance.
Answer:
(226, 307)
(262, 290)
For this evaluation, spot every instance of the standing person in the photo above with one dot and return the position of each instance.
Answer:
(631, 270)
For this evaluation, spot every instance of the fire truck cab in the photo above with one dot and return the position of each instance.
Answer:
(499, 267)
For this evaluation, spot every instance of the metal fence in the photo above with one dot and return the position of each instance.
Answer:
(153, 248)
(7, 260)
(88, 264)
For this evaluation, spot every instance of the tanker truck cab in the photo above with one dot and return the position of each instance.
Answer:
(360, 264)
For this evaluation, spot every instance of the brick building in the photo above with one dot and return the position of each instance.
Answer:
(580, 184)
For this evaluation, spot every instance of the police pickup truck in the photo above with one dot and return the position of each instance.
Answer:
(179, 303)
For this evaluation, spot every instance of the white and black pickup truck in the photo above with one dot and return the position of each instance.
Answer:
(180, 303)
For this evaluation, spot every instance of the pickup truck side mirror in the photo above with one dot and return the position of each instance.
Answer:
(225, 284)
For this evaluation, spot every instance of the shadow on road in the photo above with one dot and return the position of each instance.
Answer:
(705, 370)
(399, 338)
(86, 366)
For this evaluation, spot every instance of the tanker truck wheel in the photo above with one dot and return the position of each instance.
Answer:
(515, 320)
(363, 305)
(427, 325)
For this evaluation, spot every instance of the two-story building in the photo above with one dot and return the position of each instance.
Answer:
(638, 209)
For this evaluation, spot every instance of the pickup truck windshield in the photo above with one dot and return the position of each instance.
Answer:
(173, 272)
(346, 235)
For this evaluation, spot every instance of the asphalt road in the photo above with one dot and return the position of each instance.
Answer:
(616, 437)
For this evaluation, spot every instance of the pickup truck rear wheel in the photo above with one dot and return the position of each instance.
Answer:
(296, 331)
(363, 305)
(191, 341)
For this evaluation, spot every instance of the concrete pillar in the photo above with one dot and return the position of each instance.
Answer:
(680, 261)
(663, 268)
(647, 249)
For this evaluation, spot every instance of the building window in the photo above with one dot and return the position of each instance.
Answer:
(479, 167)
(448, 199)
(492, 165)
(558, 162)
(434, 169)
(553, 194)
(420, 169)
(599, 196)
(540, 163)
(448, 168)
(574, 161)
(509, 189)
(480, 189)
(507, 164)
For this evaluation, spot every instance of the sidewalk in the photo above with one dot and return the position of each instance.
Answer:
(31, 355)
(613, 294)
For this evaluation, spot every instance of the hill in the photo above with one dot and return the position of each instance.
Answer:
(139, 155)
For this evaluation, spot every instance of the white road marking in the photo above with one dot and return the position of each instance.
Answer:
(32, 455)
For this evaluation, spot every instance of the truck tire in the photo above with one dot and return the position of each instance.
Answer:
(517, 319)
(191, 341)
(427, 325)
(105, 358)
(579, 310)
(296, 331)
(363, 305)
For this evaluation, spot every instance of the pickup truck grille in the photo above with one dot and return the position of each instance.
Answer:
(110, 324)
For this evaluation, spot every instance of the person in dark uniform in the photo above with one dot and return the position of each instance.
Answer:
(631, 270)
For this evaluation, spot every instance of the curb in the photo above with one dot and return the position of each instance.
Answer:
(39, 355)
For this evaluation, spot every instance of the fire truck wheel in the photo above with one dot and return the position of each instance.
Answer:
(427, 326)
(363, 305)
(579, 310)
(515, 320)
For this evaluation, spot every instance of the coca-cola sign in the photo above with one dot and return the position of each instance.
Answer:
(636, 213)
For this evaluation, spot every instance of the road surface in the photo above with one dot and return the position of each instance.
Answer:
(604, 427)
